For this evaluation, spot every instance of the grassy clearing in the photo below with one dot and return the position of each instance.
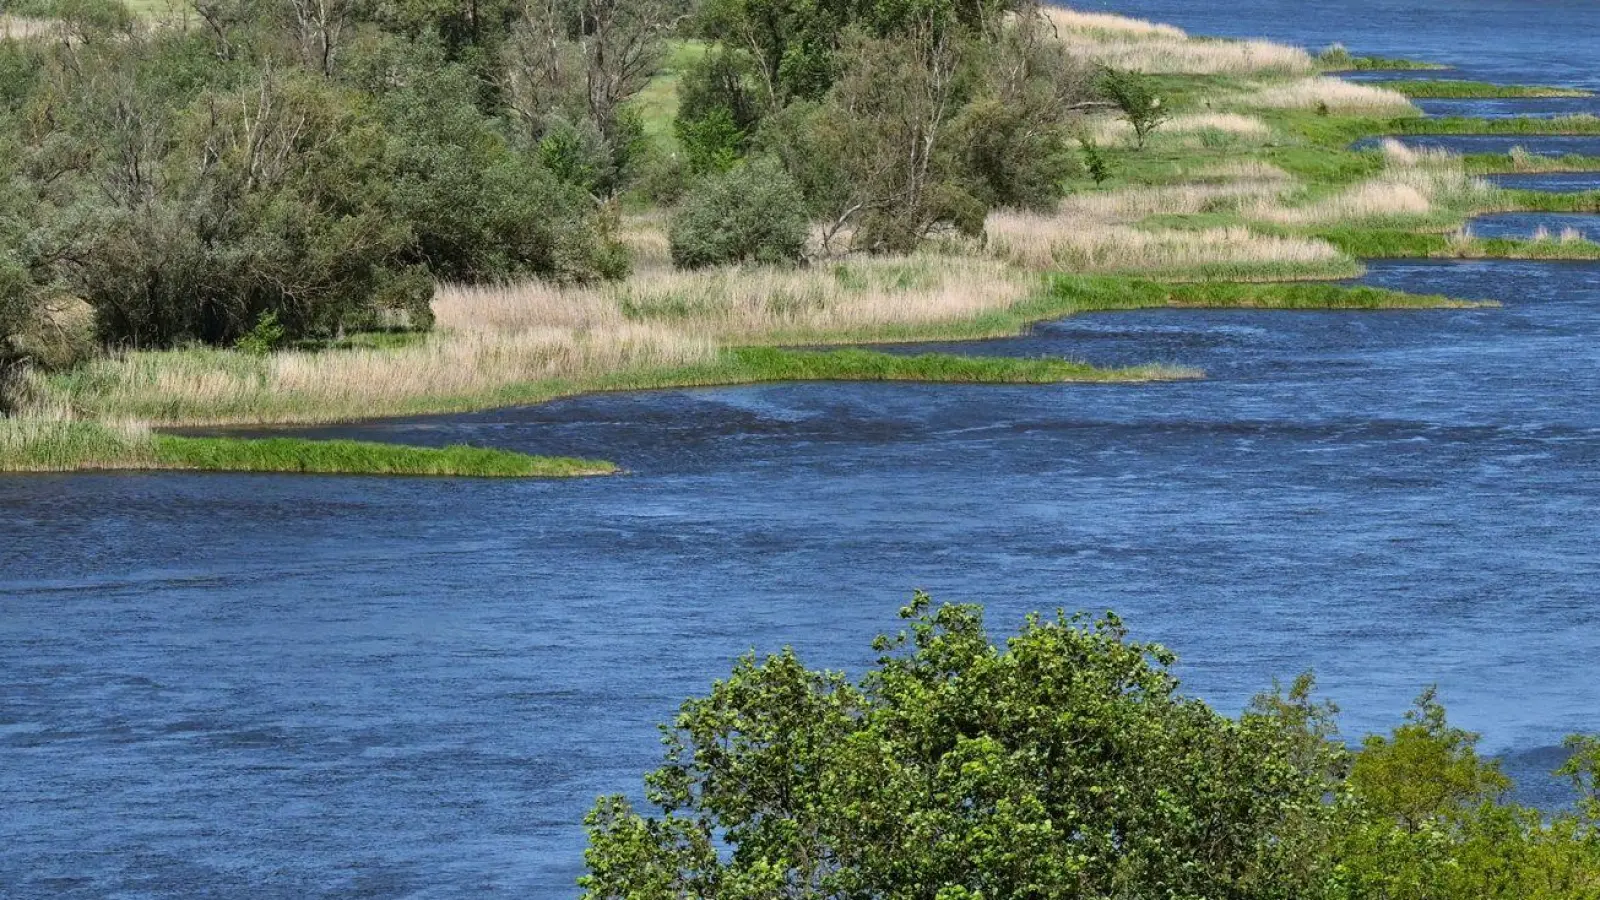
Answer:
(186, 392)
(1477, 90)
(43, 444)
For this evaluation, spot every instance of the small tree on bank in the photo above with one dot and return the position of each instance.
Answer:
(1136, 98)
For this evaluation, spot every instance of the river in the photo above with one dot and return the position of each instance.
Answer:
(266, 686)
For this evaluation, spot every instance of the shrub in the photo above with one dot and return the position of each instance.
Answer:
(1135, 96)
(753, 213)
(1063, 764)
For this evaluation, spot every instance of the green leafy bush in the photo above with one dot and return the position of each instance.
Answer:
(752, 214)
(1135, 96)
(1066, 763)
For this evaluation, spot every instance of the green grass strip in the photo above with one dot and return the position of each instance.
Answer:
(363, 458)
(48, 445)
(1379, 243)
(1475, 90)
(1091, 293)
(1463, 125)
(1527, 163)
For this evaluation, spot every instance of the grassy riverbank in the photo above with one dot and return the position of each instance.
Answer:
(43, 445)
(1246, 196)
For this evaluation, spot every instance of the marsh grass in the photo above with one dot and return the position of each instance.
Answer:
(1189, 130)
(46, 442)
(1134, 44)
(860, 299)
(1397, 243)
(58, 444)
(1472, 90)
(1330, 95)
(362, 457)
(1098, 293)
(1579, 124)
(1112, 25)
(1065, 242)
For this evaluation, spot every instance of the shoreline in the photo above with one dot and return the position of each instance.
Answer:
(1282, 222)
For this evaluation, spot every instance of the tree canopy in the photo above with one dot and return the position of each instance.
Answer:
(1064, 763)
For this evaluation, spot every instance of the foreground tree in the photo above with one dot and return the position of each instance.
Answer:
(1065, 764)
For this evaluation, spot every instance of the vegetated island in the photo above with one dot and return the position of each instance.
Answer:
(398, 212)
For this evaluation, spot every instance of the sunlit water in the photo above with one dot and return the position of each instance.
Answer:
(258, 686)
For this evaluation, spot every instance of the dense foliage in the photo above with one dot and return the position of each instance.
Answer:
(753, 214)
(1067, 764)
(322, 164)
(897, 121)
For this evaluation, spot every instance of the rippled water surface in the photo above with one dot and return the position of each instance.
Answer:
(1557, 182)
(259, 686)
(1533, 225)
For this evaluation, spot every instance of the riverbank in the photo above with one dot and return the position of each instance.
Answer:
(1247, 196)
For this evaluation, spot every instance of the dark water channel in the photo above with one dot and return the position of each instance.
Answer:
(265, 687)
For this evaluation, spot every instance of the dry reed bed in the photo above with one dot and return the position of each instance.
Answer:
(188, 387)
(1331, 94)
(1111, 24)
(494, 340)
(1126, 43)
(1190, 129)
(853, 299)
(1088, 245)
(1414, 184)
(22, 28)
(1128, 205)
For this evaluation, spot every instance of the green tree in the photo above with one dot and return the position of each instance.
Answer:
(1136, 97)
(1063, 764)
(751, 214)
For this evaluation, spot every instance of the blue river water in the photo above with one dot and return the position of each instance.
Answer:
(290, 687)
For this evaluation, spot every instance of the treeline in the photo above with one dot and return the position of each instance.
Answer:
(274, 170)
(1067, 764)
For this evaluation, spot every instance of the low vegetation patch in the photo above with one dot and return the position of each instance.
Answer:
(42, 444)
(1336, 58)
(1580, 124)
(1473, 90)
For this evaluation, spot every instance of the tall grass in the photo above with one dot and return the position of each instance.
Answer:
(1110, 24)
(1190, 130)
(446, 370)
(862, 299)
(1414, 185)
(53, 441)
(22, 28)
(1328, 95)
(1191, 57)
(1073, 244)
(1141, 46)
